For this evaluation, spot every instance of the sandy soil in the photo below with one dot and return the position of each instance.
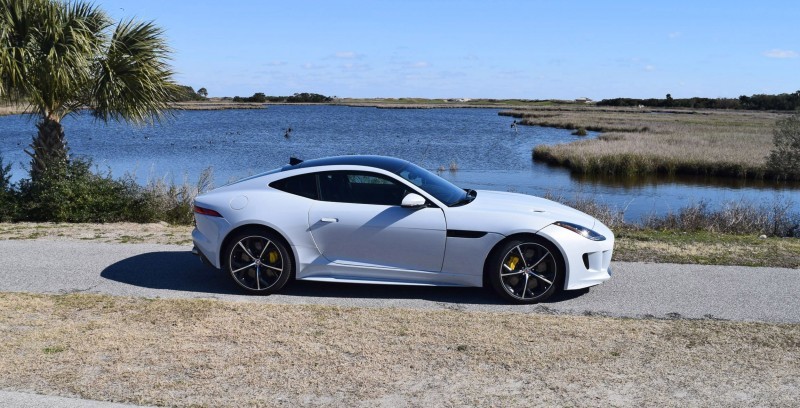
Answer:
(123, 232)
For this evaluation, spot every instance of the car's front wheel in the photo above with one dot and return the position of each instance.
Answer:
(525, 270)
(258, 261)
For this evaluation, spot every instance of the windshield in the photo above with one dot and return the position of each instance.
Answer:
(443, 190)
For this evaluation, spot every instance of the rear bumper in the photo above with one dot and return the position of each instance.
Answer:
(202, 256)
(207, 236)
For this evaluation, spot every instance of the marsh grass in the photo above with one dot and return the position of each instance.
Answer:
(776, 218)
(718, 143)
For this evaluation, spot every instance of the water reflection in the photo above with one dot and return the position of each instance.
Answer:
(637, 181)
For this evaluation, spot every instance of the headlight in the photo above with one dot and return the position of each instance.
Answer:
(580, 230)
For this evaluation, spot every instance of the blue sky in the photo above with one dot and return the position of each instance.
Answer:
(489, 49)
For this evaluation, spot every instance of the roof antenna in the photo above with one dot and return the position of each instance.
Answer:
(293, 161)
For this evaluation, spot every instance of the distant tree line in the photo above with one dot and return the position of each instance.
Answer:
(784, 102)
(304, 97)
(186, 93)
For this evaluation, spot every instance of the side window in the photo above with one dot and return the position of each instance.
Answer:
(360, 188)
(304, 185)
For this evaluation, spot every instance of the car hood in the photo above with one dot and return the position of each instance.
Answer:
(496, 204)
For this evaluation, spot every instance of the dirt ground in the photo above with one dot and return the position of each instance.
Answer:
(116, 233)
(209, 353)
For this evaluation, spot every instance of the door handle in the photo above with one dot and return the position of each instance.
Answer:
(329, 219)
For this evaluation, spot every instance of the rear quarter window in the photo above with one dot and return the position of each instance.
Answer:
(304, 185)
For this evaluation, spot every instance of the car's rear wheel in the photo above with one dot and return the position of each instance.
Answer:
(258, 261)
(527, 270)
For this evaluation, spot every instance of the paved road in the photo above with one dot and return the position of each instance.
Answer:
(26, 400)
(636, 289)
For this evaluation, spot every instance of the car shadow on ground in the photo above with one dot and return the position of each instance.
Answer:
(170, 270)
(183, 271)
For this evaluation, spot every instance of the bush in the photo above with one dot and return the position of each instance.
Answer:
(8, 202)
(77, 194)
(784, 159)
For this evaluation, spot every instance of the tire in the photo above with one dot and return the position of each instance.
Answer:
(526, 270)
(258, 261)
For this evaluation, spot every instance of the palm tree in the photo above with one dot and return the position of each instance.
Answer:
(62, 57)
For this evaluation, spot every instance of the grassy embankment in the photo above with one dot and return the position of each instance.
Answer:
(642, 245)
(640, 141)
(218, 353)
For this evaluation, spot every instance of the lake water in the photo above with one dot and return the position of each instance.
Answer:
(489, 154)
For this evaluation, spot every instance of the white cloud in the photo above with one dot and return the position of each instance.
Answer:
(346, 54)
(276, 63)
(778, 53)
(674, 34)
(649, 68)
(420, 64)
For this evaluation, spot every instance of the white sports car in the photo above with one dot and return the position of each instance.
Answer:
(374, 219)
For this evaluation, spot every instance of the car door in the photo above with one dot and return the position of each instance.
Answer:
(359, 221)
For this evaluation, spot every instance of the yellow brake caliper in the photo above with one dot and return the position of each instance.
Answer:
(273, 257)
(512, 262)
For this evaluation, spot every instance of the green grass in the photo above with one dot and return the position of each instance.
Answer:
(706, 248)
(53, 349)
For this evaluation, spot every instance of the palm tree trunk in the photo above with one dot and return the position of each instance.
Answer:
(49, 149)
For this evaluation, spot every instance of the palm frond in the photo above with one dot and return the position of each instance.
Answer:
(18, 27)
(133, 80)
(52, 47)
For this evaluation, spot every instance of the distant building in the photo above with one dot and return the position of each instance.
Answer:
(583, 100)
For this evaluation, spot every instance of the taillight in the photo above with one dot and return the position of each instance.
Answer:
(206, 211)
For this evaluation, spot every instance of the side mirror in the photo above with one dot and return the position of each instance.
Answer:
(412, 200)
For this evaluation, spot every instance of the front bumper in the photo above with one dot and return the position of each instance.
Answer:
(588, 263)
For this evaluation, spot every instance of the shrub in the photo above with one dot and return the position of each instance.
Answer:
(581, 131)
(784, 159)
(77, 194)
(8, 202)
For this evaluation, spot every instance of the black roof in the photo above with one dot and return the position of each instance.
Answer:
(391, 164)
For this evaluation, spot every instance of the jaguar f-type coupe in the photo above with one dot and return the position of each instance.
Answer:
(374, 219)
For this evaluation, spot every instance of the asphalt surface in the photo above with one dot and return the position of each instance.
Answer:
(635, 290)
(25, 400)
